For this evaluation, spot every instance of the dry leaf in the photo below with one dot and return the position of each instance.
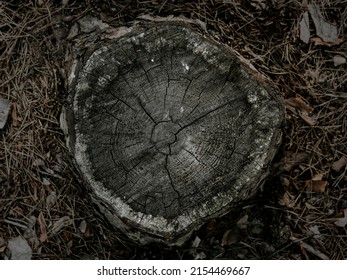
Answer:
(3, 245)
(314, 230)
(69, 247)
(319, 42)
(294, 159)
(316, 184)
(325, 30)
(38, 162)
(73, 32)
(19, 248)
(89, 24)
(43, 231)
(45, 182)
(338, 165)
(16, 212)
(342, 222)
(196, 242)
(67, 234)
(51, 199)
(199, 256)
(15, 119)
(61, 223)
(305, 28)
(5, 106)
(319, 186)
(297, 106)
(339, 60)
(83, 226)
(230, 236)
(285, 181)
(317, 177)
(243, 222)
(287, 200)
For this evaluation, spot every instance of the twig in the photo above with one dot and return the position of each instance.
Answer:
(15, 224)
(309, 248)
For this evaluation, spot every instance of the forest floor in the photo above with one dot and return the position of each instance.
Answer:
(301, 212)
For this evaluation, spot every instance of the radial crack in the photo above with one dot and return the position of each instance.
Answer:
(168, 173)
(147, 113)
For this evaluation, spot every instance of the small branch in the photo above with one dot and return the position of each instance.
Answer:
(310, 249)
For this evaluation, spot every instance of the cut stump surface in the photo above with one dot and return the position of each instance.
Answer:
(169, 129)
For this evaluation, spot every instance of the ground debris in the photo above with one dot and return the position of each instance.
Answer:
(342, 222)
(325, 30)
(19, 249)
(305, 28)
(60, 224)
(230, 237)
(339, 164)
(339, 60)
(294, 159)
(298, 106)
(316, 184)
(4, 111)
(306, 247)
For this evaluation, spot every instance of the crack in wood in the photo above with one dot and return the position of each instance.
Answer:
(168, 173)
(147, 113)
(207, 113)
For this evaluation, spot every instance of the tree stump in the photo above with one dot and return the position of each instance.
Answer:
(169, 129)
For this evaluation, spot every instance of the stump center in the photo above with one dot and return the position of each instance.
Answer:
(163, 135)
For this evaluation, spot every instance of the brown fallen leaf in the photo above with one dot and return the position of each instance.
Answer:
(338, 165)
(298, 106)
(43, 230)
(316, 184)
(319, 42)
(287, 200)
(69, 247)
(317, 177)
(15, 118)
(16, 212)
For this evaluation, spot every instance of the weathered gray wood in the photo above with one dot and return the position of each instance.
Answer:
(169, 130)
